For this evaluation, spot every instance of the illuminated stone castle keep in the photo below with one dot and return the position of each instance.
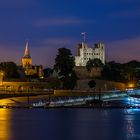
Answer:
(32, 70)
(85, 53)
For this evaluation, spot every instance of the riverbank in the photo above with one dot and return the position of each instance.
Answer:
(93, 104)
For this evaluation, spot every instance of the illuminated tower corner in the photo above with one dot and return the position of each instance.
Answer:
(26, 60)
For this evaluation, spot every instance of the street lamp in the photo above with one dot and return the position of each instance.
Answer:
(1, 76)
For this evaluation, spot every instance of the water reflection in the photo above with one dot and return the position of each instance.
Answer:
(131, 123)
(69, 124)
(5, 124)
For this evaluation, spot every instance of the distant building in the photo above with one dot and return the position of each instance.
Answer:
(26, 60)
(85, 53)
(27, 64)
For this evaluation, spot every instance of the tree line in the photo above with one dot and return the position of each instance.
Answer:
(66, 77)
(124, 72)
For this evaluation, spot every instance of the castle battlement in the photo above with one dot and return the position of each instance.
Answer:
(85, 53)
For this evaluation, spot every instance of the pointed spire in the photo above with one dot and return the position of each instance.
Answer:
(27, 51)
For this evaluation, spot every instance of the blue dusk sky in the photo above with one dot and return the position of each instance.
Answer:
(50, 24)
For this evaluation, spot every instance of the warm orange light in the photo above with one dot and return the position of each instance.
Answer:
(1, 77)
(130, 85)
(1, 73)
(5, 131)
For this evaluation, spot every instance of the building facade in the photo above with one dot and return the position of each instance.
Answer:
(29, 68)
(26, 60)
(85, 53)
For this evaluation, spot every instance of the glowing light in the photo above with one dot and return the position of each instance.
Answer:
(131, 85)
(1, 77)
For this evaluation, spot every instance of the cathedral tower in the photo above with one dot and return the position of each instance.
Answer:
(26, 60)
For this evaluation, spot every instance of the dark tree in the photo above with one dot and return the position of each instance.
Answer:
(92, 84)
(94, 63)
(47, 72)
(133, 64)
(70, 81)
(132, 70)
(113, 71)
(10, 70)
(64, 64)
(121, 72)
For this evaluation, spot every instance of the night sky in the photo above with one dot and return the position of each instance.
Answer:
(50, 24)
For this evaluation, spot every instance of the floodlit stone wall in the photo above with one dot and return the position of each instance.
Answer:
(83, 73)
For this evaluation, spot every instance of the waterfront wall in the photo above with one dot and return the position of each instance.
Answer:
(85, 76)
(100, 84)
(83, 73)
(23, 86)
(82, 85)
(73, 92)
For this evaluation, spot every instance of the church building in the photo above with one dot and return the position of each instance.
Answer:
(29, 68)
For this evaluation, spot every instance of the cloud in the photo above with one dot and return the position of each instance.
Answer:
(57, 41)
(61, 22)
(123, 50)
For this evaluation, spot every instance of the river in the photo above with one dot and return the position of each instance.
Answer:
(69, 124)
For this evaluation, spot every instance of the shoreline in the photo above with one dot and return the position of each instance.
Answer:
(69, 107)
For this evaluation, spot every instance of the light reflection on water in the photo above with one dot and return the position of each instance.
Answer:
(5, 131)
(132, 121)
(69, 124)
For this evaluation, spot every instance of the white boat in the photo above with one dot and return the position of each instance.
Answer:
(39, 104)
(56, 104)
